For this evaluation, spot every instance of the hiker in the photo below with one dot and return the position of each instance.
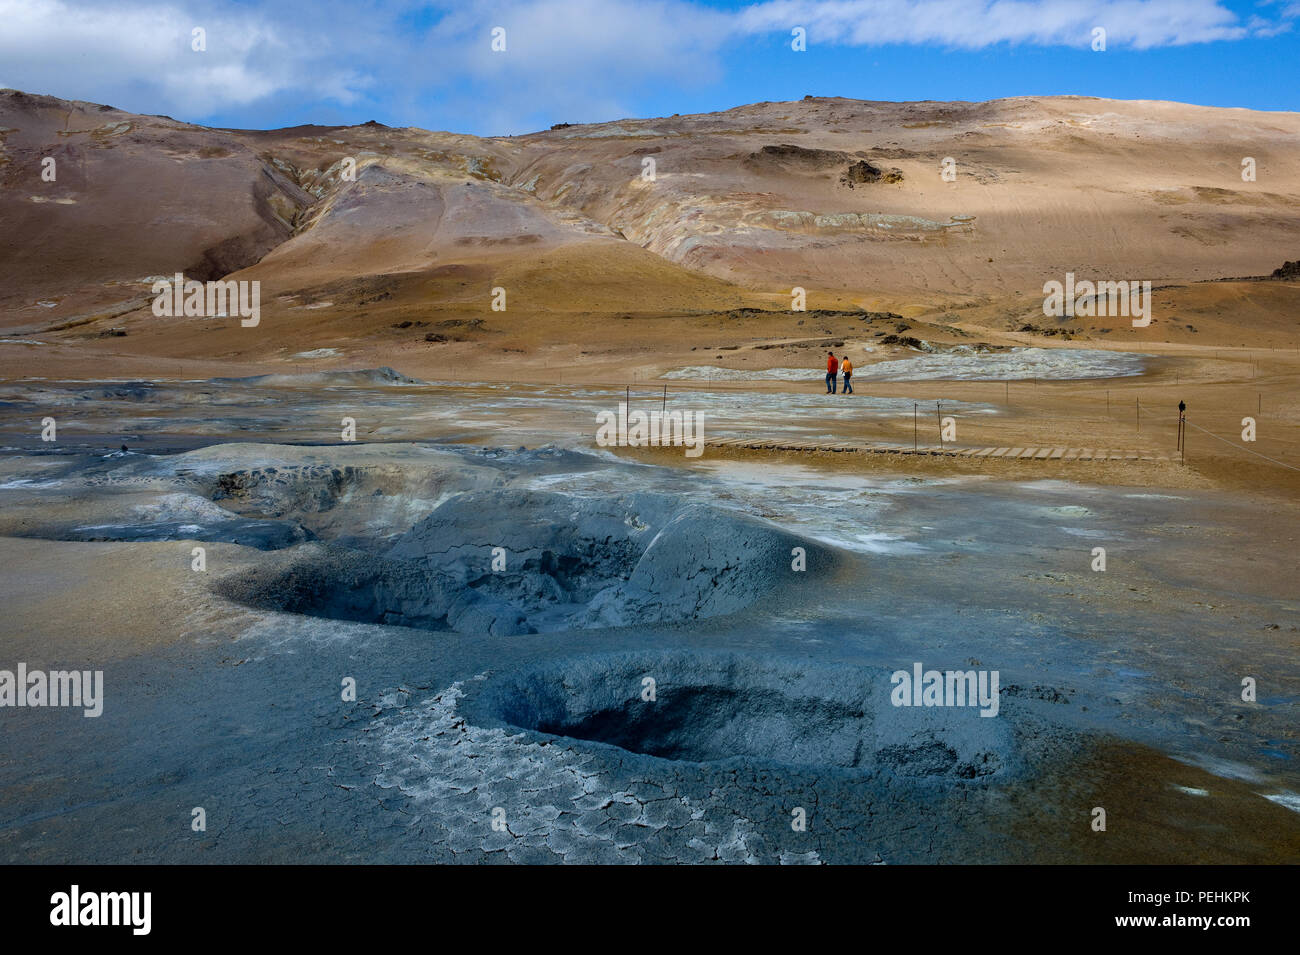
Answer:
(832, 366)
(846, 369)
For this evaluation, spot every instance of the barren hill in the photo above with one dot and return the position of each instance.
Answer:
(353, 231)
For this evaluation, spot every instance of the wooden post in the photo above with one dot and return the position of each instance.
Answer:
(1182, 430)
(915, 425)
(664, 407)
(939, 417)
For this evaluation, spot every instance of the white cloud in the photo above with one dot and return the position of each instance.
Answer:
(973, 24)
(113, 51)
(584, 59)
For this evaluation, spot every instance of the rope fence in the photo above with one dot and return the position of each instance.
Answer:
(1161, 423)
(1233, 444)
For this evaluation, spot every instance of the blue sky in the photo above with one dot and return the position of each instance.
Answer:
(430, 64)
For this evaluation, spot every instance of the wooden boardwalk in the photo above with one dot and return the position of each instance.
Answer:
(949, 451)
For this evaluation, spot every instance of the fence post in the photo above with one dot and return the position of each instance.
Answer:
(1182, 430)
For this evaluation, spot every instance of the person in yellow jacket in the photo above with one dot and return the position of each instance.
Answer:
(846, 369)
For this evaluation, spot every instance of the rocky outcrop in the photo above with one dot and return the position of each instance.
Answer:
(786, 157)
(863, 172)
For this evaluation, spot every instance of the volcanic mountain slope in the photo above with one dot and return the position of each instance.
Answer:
(1042, 185)
(130, 196)
(355, 230)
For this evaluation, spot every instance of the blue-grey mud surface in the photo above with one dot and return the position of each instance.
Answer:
(503, 714)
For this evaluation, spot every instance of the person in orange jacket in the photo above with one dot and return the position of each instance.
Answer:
(832, 366)
(846, 369)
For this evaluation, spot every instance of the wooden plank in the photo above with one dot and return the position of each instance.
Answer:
(938, 450)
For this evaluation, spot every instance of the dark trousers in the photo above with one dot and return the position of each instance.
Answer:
(848, 388)
(830, 383)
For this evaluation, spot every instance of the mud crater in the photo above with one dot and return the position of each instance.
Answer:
(711, 708)
(508, 561)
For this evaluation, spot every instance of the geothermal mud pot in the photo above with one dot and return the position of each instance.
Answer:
(661, 755)
(617, 661)
(714, 709)
(582, 764)
(511, 561)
